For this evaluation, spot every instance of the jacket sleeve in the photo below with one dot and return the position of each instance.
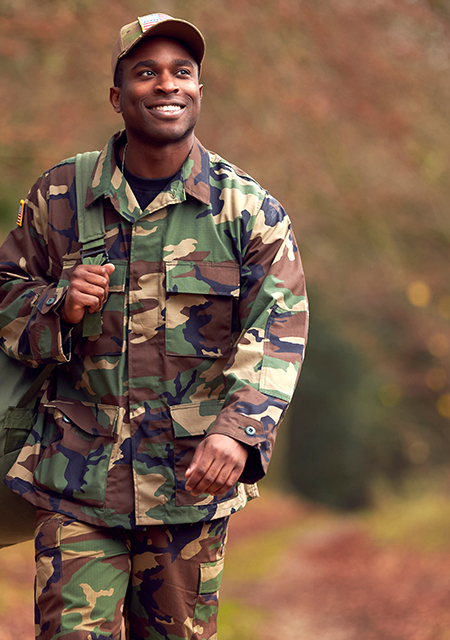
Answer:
(265, 363)
(30, 325)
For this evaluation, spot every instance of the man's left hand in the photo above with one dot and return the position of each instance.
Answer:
(216, 466)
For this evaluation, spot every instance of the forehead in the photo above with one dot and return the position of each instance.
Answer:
(159, 49)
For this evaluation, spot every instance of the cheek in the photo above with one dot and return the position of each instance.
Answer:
(128, 100)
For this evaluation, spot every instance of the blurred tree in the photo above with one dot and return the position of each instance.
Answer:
(339, 434)
(342, 111)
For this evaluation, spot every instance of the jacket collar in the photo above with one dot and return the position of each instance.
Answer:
(108, 180)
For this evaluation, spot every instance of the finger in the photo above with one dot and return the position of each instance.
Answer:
(202, 466)
(226, 479)
(216, 466)
(106, 268)
(100, 280)
(88, 289)
(195, 460)
(206, 480)
(88, 295)
(196, 482)
(92, 271)
(81, 300)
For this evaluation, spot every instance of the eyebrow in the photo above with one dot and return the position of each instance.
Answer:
(177, 62)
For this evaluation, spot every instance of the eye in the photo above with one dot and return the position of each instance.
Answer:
(147, 73)
(184, 72)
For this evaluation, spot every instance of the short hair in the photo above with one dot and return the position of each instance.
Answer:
(118, 75)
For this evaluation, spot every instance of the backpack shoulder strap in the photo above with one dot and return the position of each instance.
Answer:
(91, 223)
(32, 392)
(91, 229)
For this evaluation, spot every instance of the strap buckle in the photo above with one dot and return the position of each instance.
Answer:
(91, 253)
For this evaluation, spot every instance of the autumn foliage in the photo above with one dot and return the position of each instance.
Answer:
(340, 108)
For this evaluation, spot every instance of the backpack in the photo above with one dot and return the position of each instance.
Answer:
(21, 384)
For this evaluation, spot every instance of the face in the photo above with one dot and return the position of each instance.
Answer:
(160, 95)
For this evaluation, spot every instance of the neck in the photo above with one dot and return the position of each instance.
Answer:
(156, 161)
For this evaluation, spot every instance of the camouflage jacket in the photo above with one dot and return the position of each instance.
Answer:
(203, 332)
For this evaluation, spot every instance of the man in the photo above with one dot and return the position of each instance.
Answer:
(156, 428)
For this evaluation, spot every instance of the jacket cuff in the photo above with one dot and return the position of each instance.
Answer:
(53, 337)
(254, 423)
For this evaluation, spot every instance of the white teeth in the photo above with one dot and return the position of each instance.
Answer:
(168, 108)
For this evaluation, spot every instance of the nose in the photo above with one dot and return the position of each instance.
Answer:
(166, 83)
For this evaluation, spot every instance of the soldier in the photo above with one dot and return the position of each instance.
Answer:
(154, 429)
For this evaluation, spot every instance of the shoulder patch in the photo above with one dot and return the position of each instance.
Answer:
(20, 215)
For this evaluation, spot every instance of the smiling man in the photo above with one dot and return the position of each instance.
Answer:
(164, 411)
(159, 96)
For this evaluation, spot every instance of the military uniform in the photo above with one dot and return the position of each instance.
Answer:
(203, 332)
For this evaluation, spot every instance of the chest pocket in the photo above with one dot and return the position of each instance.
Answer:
(199, 307)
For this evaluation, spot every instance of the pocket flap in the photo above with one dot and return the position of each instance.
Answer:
(211, 576)
(95, 419)
(118, 278)
(205, 278)
(194, 419)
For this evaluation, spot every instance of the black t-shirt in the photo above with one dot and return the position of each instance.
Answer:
(145, 189)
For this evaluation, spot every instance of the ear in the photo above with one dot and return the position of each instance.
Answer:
(114, 98)
(200, 90)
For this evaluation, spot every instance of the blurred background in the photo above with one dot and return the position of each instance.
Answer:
(340, 108)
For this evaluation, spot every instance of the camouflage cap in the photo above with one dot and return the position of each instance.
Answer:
(157, 24)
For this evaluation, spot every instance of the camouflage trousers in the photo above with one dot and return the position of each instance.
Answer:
(163, 580)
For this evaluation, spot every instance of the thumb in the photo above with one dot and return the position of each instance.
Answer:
(194, 461)
(109, 268)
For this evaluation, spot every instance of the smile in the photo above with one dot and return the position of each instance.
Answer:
(168, 108)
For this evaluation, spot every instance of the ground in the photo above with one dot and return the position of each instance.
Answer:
(300, 572)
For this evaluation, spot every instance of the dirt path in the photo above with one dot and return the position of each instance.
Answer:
(333, 582)
(16, 593)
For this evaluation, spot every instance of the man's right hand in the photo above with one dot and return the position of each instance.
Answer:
(88, 289)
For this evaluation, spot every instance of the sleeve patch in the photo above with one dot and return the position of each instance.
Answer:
(20, 214)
